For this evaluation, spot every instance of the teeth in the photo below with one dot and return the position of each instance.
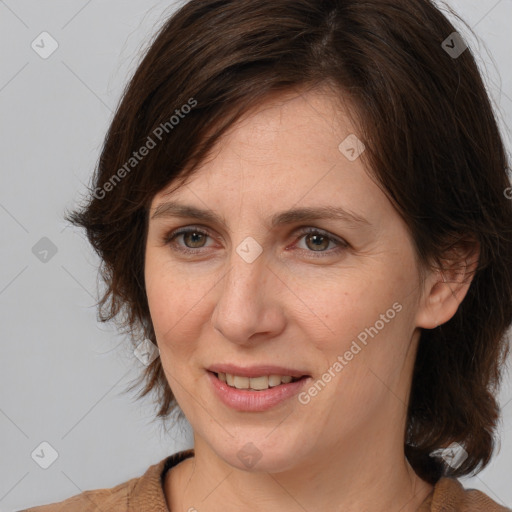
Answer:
(274, 380)
(241, 382)
(258, 383)
(254, 383)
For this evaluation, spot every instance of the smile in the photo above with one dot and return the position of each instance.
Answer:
(256, 393)
(255, 383)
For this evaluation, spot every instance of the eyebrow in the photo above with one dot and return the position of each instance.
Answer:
(174, 209)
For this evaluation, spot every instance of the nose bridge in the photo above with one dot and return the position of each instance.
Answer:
(243, 308)
(245, 279)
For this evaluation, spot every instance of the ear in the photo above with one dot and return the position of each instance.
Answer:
(445, 288)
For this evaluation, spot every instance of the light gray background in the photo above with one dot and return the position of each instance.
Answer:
(62, 375)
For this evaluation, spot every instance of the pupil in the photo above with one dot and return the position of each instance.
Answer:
(194, 238)
(317, 242)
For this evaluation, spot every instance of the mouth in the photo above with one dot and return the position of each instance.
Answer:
(257, 388)
(258, 383)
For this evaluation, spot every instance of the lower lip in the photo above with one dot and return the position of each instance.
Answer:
(254, 401)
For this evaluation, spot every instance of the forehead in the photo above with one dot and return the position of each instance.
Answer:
(293, 127)
(307, 123)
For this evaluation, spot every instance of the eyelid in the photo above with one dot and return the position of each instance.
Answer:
(173, 234)
(311, 229)
(186, 229)
(169, 237)
(340, 242)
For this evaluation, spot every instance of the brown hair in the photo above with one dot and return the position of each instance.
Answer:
(432, 142)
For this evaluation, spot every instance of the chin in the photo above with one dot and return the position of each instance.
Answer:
(260, 454)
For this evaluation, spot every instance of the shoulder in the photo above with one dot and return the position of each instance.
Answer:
(99, 499)
(114, 499)
(449, 495)
(141, 493)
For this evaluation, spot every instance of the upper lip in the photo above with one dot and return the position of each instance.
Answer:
(256, 371)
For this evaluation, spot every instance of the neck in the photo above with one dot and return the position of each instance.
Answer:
(360, 478)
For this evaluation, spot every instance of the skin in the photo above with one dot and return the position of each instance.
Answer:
(298, 305)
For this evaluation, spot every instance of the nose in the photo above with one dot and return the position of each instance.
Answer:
(248, 306)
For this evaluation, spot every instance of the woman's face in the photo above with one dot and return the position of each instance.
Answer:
(281, 257)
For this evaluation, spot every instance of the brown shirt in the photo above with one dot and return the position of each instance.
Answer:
(145, 494)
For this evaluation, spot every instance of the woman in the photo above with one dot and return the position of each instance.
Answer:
(301, 204)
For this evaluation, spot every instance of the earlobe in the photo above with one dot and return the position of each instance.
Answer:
(445, 288)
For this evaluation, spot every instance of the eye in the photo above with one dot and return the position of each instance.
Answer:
(192, 238)
(318, 241)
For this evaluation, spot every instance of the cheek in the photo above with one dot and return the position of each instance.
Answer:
(159, 283)
(365, 326)
(345, 306)
(178, 304)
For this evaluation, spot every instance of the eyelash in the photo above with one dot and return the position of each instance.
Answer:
(170, 238)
